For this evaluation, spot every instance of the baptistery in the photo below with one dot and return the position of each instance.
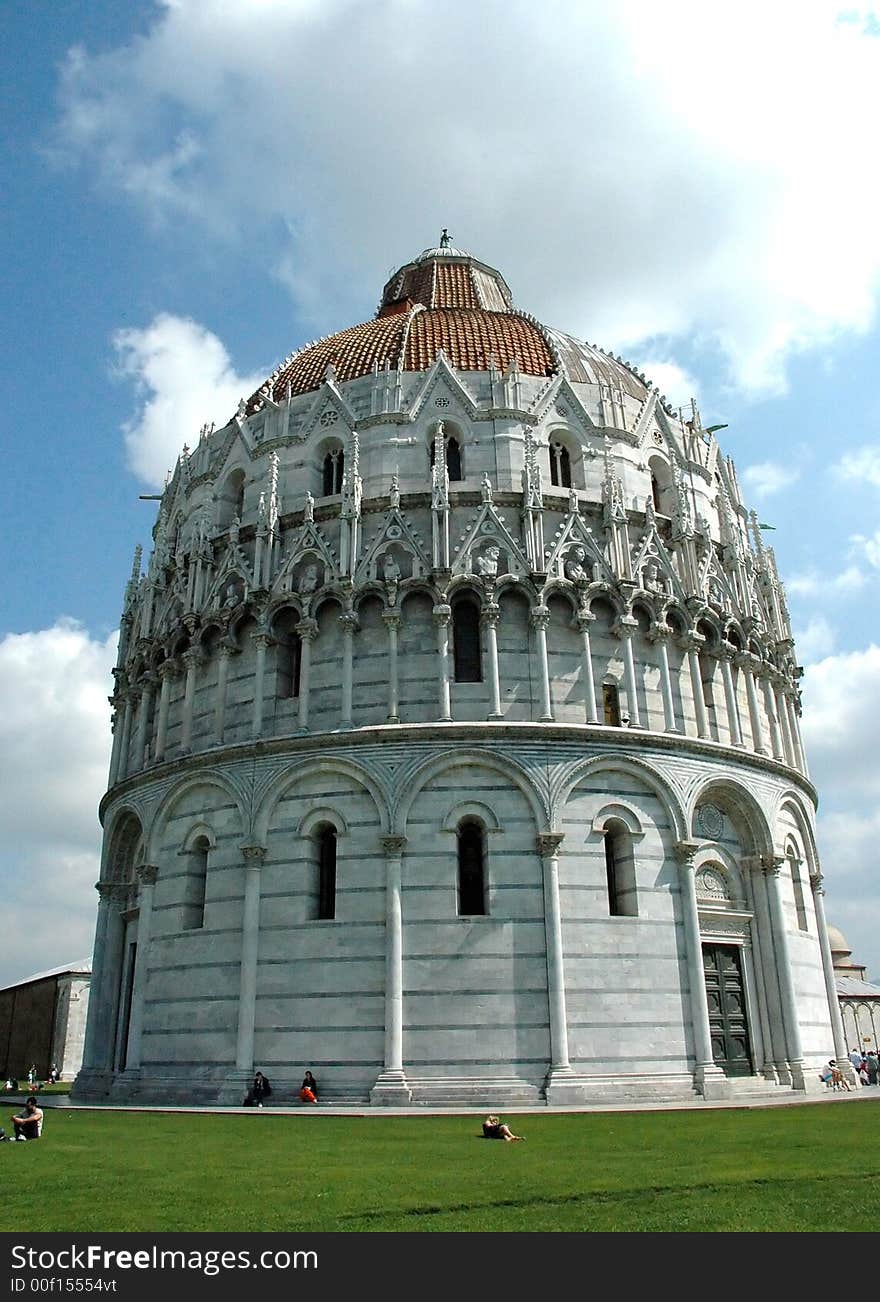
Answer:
(456, 741)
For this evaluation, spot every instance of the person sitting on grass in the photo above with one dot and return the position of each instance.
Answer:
(29, 1124)
(495, 1128)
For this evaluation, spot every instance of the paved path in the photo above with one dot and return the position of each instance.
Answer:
(788, 1099)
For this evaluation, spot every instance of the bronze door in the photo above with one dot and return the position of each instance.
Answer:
(728, 1022)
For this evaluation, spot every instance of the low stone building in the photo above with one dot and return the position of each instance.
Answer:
(43, 1022)
(457, 750)
(859, 998)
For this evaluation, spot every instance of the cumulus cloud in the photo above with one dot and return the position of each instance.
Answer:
(676, 384)
(861, 465)
(54, 755)
(869, 548)
(815, 641)
(183, 378)
(642, 171)
(768, 477)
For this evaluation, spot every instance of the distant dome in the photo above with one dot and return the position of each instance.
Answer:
(446, 299)
(838, 942)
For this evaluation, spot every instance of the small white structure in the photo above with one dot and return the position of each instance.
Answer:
(859, 998)
(457, 748)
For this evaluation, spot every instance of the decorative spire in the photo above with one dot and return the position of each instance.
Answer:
(445, 239)
(440, 474)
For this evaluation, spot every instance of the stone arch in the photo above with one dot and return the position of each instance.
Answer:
(621, 811)
(320, 816)
(662, 484)
(475, 810)
(177, 792)
(749, 818)
(454, 438)
(634, 768)
(431, 768)
(790, 802)
(287, 781)
(123, 846)
(565, 464)
(230, 499)
(200, 831)
(330, 466)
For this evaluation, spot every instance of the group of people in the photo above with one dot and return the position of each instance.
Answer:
(261, 1089)
(865, 1065)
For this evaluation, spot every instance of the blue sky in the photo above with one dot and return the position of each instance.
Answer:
(194, 189)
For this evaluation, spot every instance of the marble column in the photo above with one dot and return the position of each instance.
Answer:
(625, 628)
(725, 656)
(147, 874)
(788, 1002)
(250, 940)
(840, 1054)
(261, 643)
(116, 725)
(692, 646)
(708, 1079)
(770, 710)
(751, 870)
(349, 623)
(489, 620)
(141, 744)
(442, 616)
(308, 631)
(797, 744)
(168, 671)
(192, 659)
(539, 619)
(391, 1086)
(106, 961)
(659, 635)
(777, 1045)
(748, 668)
(130, 700)
(583, 620)
(225, 652)
(392, 623)
(548, 848)
(782, 715)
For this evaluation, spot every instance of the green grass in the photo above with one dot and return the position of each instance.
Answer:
(772, 1169)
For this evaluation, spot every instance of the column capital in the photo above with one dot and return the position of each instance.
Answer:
(548, 844)
(393, 846)
(262, 639)
(659, 632)
(685, 852)
(772, 864)
(691, 641)
(193, 657)
(108, 891)
(539, 616)
(490, 615)
(169, 669)
(625, 627)
(816, 884)
(583, 619)
(147, 873)
(253, 855)
(442, 614)
(349, 621)
(306, 629)
(392, 618)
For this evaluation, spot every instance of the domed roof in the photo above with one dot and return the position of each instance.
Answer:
(447, 299)
(837, 940)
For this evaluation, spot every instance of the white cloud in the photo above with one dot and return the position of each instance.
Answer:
(676, 384)
(869, 548)
(183, 378)
(642, 171)
(841, 724)
(815, 641)
(861, 465)
(54, 755)
(812, 583)
(768, 477)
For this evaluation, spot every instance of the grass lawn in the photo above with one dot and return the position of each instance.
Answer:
(772, 1169)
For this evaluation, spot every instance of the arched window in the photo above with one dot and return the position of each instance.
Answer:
(662, 486)
(453, 458)
(326, 847)
(196, 882)
(794, 866)
(560, 466)
(231, 499)
(288, 654)
(611, 704)
(466, 641)
(471, 871)
(332, 471)
(620, 871)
